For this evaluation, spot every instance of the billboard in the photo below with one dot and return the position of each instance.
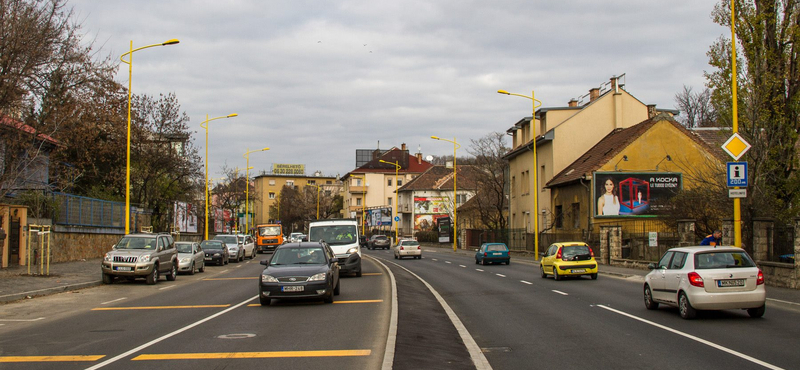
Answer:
(185, 218)
(379, 217)
(288, 169)
(431, 205)
(427, 222)
(631, 194)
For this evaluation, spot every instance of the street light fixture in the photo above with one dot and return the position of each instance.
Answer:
(129, 62)
(455, 190)
(363, 203)
(204, 125)
(396, 195)
(535, 169)
(247, 189)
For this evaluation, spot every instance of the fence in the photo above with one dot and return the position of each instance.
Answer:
(73, 210)
(781, 244)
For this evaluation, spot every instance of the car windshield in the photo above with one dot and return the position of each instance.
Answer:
(137, 243)
(298, 256)
(208, 244)
(269, 230)
(496, 248)
(227, 239)
(184, 247)
(334, 235)
(721, 260)
(575, 250)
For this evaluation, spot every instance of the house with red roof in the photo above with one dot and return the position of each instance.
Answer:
(24, 156)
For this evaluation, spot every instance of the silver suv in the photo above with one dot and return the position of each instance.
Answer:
(141, 256)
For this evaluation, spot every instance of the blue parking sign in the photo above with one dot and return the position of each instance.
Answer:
(737, 174)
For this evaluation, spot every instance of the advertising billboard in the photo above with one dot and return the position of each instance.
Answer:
(185, 218)
(632, 194)
(431, 205)
(379, 217)
(288, 169)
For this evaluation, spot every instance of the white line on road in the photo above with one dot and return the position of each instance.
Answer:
(500, 275)
(22, 320)
(526, 282)
(167, 287)
(391, 340)
(787, 302)
(434, 259)
(447, 262)
(560, 292)
(461, 266)
(176, 332)
(479, 270)
(697, 339)
(116, 300)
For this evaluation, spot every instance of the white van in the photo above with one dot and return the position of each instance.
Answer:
(342, 236)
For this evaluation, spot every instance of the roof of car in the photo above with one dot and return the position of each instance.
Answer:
(706, 248)
(142, 235)
(299, 245)
(563, 244)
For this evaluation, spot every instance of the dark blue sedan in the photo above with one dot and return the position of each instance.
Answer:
(491, 253)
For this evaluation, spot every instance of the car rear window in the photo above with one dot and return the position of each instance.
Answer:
(380, 237)
(409, 242)
(575, 250)
(496, 248)
(721, 260)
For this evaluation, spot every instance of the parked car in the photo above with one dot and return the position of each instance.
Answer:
(379, 241)
(216, 251)
(406, 247)
(568, 259)
(300, 270)
(248, 246)
(141, 256)
(235, 250)
(190, 257)
(706, 278)
(491, 253)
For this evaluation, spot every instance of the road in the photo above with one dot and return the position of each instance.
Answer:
(451, 314)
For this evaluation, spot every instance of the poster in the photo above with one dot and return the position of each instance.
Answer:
(631, 194)
(431, 205)
(185, 218)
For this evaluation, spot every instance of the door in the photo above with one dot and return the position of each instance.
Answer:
(549, 257)
(13, 244)
(673, 275)
(659, 274)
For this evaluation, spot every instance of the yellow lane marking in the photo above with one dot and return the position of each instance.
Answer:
(275, 354)
(237, 278)
(49, 358)
(159, 307)
(372, 273)
(362, 301)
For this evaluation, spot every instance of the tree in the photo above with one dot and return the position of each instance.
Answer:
(490, 196)
(696, 107)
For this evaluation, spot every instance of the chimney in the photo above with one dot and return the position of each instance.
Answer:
(572, 103)
(651, 111)
(594, 93)
(403, 147)
(615, 84)
(419, 158)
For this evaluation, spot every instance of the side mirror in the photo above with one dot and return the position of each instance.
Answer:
(541, 254)
(651, 266)
(334, 260)
(114, 247)
(264, 262)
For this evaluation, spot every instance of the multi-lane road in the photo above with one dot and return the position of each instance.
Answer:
(442, 311)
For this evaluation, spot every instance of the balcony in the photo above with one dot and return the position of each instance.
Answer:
(358, 189)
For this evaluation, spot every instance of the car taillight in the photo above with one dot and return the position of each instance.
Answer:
(760, 279)
(591, 251)
(401, 247)
(485, 254)
(419, 247)
(558, 255)
(696, 280)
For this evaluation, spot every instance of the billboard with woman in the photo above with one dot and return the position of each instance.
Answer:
(623, 194)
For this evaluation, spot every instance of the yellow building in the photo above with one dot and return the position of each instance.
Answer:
(268, 188)
(562, 135)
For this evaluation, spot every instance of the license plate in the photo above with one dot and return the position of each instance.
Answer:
(292, 288)
(577, 271)
(122, 268)
(732, 282)
(209, 258)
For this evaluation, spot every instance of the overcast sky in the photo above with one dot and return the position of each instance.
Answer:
(316, 80)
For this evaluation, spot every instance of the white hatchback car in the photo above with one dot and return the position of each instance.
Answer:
(406, 247)
(706, 278)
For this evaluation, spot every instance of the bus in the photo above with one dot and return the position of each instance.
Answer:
(268, 237)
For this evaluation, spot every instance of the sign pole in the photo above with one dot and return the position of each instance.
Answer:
(737, 204)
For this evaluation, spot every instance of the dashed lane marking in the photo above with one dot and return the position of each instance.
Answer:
(234, 278)
(434, 259)
(559, 292)
(159, 307)
(500, 275)
(275, 354)
(461, 266)
(116, 300)
(167, 287)
(50, 358)
(526, 282)
(479, 270)
(447, 262)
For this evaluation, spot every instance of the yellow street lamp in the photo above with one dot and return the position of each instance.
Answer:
(396, 195)
(129, 62)
(535, 169)
(204, 125)
(363, 204)
(318, 187)
(455, 190)
(247, 188)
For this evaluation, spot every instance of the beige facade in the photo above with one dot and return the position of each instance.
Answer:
(562, 135)
(268, 188)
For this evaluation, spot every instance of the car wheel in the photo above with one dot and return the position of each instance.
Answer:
(338, 289)
(648, 299)
(756, 312)
(173, 274)
(264, 301)
(328, 298)
(685, 307)
(227, 260)
(476, 261)
(241, 259)
(594, 276)
(108, 279)
(508, 262)
(153, 277)
(395, 256)
(191, 270)
(541, 268)
(202, 267)
(555, 273)
(484, 262)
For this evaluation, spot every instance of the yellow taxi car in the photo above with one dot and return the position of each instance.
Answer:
(568, 259)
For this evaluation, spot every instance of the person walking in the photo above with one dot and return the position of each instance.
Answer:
(714, 239)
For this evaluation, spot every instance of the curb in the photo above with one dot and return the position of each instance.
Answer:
(8, 298)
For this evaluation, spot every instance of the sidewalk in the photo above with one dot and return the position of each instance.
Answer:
(16, 284)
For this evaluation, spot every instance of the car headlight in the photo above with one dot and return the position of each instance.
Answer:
(317, 277)
(185, 260)
(144, 258)
(352, 250)
(268, 279)
(107, 257)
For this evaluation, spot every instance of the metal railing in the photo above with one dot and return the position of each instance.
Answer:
(75, 210)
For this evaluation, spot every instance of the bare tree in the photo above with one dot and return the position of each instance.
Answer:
(490, 197)
(697, 109)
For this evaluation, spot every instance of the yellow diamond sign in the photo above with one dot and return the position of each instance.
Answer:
(736, 146)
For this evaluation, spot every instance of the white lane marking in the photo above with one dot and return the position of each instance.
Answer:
(500, 275)
(434, 259)
(166, 287)
(475, 353)
(559, 292)
(176, 332)
(391, 339)
(694, 338)
(461, 266)
(447, 262)
(787, 302)
(479, 270)
(22, 320)
(116, 300)
(526, 282)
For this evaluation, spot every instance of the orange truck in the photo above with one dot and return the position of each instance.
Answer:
(268, 237)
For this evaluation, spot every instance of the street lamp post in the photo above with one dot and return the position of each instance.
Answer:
(318, 187)
(129, 62)
(247, 189)
(363, 204)
(204, 125)
(396, 195)
(535, 169)
(455, 189)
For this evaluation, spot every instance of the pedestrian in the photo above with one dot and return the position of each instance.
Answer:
(714, 239)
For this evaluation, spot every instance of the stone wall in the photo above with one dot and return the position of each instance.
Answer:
(67, 246)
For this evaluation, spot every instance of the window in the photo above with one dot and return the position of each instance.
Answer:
(513, 186)
(461, 198)
(271, 182)
(664, 262)
(389, 201)
(559, 218)
(358, 201)
(542, 178)
(290, 183)
(678, 260)
(389, 182)
(399, 182)
(358, 182)
(271, 195)
(576, 215)
(328, 182)
(312, 182)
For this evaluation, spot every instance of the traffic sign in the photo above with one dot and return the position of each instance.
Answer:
(397, 218)
(737, 193)
(736, 146)
(737, 174)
